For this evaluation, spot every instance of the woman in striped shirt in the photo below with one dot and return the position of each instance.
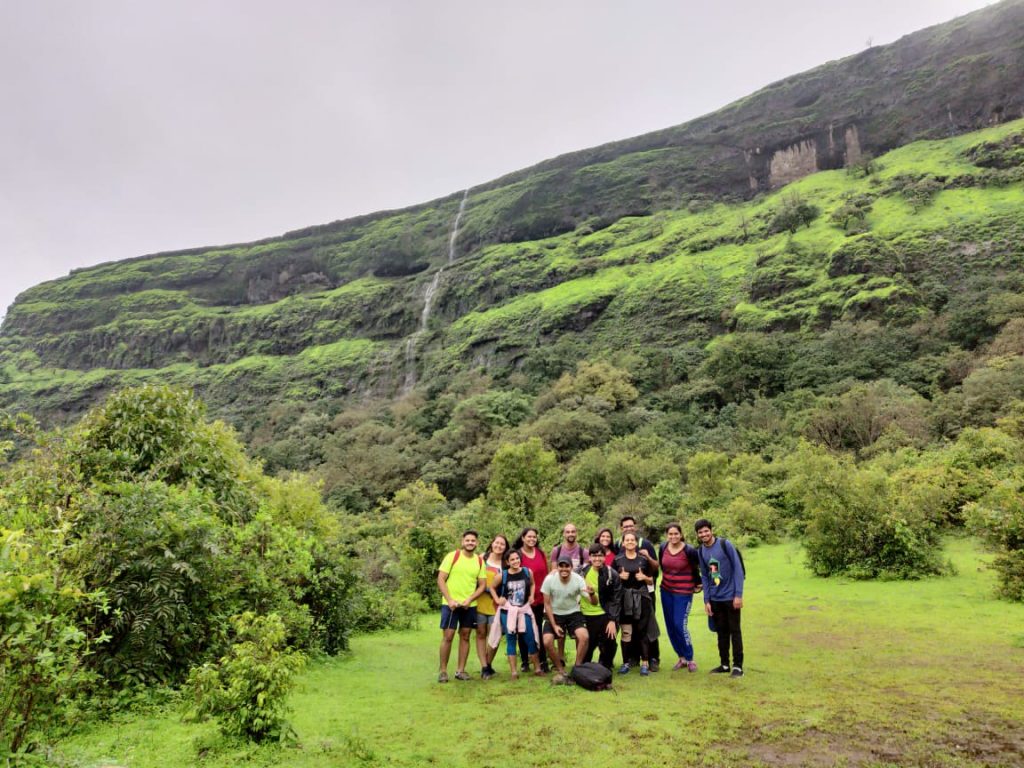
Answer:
(680, 579)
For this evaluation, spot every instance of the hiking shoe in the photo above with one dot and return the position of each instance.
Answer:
(724, 669)
(691, 666)
(624, 669)
(655, 665)
(559, 679)
(679, 665)
(737, 672)
(645, 670)
(442, 677)
(462, 676)
(486, 674)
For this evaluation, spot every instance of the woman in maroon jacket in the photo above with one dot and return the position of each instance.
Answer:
(680, 578)
(533, 557)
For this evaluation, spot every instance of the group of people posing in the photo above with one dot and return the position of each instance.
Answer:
(594, 595)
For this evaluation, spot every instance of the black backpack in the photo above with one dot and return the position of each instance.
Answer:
(591, 676)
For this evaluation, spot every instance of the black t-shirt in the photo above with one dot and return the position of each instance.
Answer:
(516, 588)
(632, 567)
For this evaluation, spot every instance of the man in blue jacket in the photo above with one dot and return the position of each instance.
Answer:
(722, 572)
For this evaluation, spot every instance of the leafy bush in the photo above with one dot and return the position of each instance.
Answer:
(246, 691)
(157, 554)
(42, 649)
(793, 214)
(854, 525)
(999, 517)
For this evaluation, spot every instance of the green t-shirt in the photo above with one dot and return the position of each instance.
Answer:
(462, 575)
(586, 607)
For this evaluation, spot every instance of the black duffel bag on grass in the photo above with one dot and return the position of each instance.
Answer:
(591, 676)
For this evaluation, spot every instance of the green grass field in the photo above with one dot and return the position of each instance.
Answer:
(839, 672)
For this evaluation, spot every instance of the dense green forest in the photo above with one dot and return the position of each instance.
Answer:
(835, 358)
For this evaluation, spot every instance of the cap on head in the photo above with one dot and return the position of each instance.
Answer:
(564, 560)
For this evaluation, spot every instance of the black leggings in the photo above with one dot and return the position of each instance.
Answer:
(639, 646)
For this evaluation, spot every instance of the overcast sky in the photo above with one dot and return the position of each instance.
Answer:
(135, 127)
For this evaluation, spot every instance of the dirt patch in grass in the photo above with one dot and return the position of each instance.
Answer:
(812, 749)
(991, 744)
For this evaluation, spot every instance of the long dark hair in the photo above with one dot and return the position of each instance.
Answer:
(518, 544)
(611, 536)
(504, 555)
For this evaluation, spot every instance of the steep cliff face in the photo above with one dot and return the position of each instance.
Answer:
(582, 244)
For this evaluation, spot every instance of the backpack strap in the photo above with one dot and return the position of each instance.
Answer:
(456, 558)
(726, 544)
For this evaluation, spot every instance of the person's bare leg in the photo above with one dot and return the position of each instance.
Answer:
(582, 642)
(463, 649)
(446, 649)
(512, 661)
(553, 654)
(481, 644)
(535, 662)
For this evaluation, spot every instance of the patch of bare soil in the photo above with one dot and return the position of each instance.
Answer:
(990, 744)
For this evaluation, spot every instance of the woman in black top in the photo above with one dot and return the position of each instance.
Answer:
(512, 595)
(636, 569)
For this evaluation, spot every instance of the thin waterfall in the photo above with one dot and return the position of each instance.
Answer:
(428, 302)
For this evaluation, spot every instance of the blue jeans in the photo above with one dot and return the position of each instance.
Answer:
(510, 637)
(677, 614)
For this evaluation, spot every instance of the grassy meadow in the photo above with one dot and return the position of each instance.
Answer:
(839, 672)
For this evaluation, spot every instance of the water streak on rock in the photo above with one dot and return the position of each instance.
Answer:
(428, 302)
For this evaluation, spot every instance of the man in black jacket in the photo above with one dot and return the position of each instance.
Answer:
(601, 612)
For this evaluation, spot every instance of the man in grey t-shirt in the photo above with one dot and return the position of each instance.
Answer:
(562, 591)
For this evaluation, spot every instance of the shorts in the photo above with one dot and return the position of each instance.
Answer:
(484, 619)
(570, 622)
(461, 618)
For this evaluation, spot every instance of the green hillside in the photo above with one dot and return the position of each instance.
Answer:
(911, 246)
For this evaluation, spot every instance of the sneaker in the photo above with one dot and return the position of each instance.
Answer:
(486, 673)
(679, 665)
(558, 679)
(645, 670)
(655, 665)
(724, 669)
(691, 666)
(624, 669)
(737, 672)
(462, 676)
(442, 677)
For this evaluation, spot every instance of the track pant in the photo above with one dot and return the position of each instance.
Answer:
(727, 625)
(677, 614)
(599, 640)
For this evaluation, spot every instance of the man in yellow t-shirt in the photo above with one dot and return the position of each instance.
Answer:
(461, 578)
